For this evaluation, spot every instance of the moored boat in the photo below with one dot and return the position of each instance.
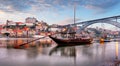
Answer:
(69, 35)
(105, 40)
(72, 41)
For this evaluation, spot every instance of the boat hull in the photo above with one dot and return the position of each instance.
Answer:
(76, 41)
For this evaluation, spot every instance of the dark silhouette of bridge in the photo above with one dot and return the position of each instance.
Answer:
(110, 20)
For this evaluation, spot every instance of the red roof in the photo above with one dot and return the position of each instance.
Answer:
(19, 22)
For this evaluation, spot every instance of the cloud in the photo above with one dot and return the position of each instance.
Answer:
(16, 16)
(20, 9)
(13, 5)
(100, 5)
(43, 5)
(67, 21)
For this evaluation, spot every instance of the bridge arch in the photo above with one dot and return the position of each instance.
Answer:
(86, 24)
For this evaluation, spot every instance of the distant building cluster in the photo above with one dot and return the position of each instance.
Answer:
(30, 27)
(100, 32)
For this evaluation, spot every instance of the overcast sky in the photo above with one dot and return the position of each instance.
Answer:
(57, 11)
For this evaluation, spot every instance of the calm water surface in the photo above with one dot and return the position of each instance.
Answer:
(49, 54)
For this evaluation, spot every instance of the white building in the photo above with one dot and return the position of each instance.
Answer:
(30, 20)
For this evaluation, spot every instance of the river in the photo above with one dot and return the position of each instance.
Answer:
(49, 54)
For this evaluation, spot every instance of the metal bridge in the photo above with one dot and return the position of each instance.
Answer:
(110, 20)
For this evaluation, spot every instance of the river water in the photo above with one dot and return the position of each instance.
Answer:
(47, 53)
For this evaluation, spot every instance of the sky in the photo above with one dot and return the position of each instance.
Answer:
(57, 11)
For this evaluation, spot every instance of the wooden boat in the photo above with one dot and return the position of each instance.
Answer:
(69, 36)
(71, 41)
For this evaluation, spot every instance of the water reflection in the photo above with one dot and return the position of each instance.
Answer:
(116, 51)
(83, 55)
(32, 53)
(15, 43)
(64, 51)
(38, 54)
(117, 61)
(69, 51)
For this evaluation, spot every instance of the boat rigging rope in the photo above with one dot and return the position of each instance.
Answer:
(32, 41)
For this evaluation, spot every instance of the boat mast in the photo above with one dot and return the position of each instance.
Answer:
(74, 18)
(74, 13)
